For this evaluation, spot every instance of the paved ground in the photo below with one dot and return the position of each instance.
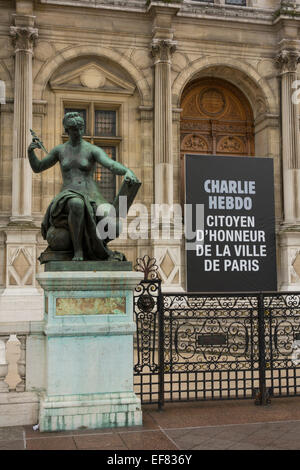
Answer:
(231, 425)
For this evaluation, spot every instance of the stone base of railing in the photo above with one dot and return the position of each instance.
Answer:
(22, 372)
(19, 408)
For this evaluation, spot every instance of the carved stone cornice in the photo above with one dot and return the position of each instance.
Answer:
(23, 38)
(162, 50)
(287, 61)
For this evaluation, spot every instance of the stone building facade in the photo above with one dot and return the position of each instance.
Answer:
(153, 80)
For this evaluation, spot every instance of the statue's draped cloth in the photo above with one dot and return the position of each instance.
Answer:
(57, 216)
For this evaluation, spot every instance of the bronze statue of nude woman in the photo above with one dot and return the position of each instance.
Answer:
(70, 221)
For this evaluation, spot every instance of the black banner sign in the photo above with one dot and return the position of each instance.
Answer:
(230, 224)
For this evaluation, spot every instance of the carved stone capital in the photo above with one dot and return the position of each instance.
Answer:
(287, 61)
(162, 50)
(23, 38)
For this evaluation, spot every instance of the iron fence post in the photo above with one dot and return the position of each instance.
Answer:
(262, 398)
(161, 356)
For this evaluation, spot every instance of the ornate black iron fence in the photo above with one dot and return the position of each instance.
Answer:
(215, 346)
(211, 346)
(148, 361)
(282, 343)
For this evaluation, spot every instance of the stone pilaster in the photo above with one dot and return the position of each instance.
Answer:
(166, 250)
(21, 300)
(167, 246)
(23, 38)
(287, 61)
(146, 120)
(289, 235)
(162, 50)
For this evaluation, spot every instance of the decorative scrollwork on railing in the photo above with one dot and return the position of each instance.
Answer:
(147, 266)
(284, 332)
(283, 301)
(196, 303)
(146, 303)
(292, 300)
(145, 309)
(210, 332)
(196, 341)
(282, 325)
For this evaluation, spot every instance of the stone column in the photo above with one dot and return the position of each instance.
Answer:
(162, 50)
(287, 61)
(23, 37)
(289, 235)
(167, 248)
(165, 230)
(21, 299)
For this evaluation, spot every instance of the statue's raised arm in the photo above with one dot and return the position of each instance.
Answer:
(47, 162)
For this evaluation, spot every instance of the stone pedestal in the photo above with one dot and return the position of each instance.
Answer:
(89, 331)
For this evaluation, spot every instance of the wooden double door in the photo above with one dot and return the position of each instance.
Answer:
(216, 119)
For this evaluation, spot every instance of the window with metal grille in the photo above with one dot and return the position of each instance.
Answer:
(105, 179)
(82, 113)
(105, 123)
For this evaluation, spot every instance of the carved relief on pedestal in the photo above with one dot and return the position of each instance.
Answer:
(23, 38)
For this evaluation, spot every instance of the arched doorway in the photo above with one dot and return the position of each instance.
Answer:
(216, 119)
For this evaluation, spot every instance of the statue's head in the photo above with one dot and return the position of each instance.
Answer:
(73, 120)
